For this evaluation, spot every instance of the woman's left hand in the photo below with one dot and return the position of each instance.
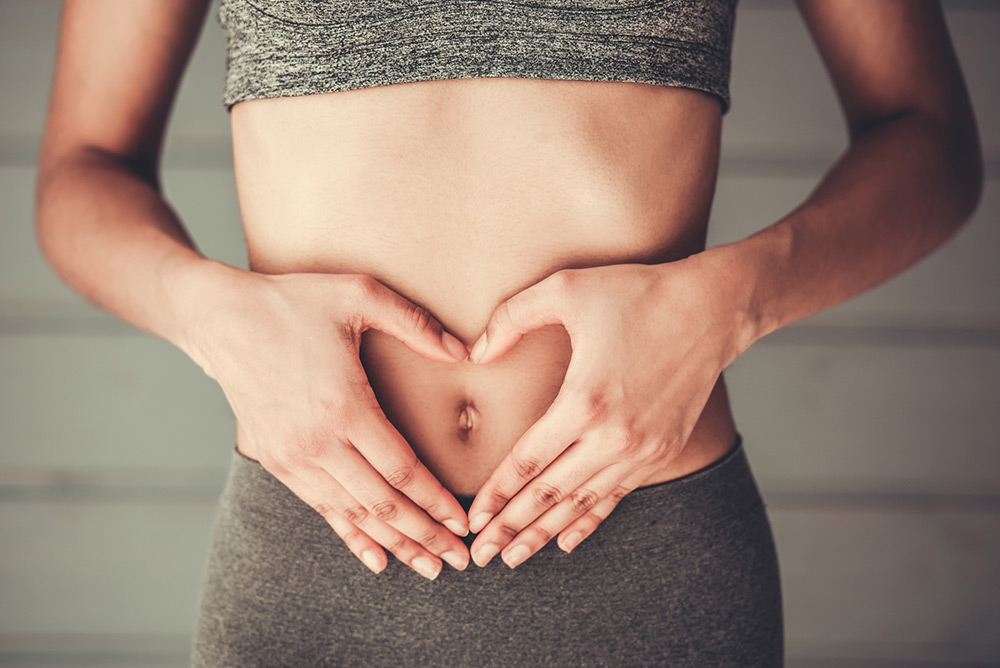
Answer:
(649, 343)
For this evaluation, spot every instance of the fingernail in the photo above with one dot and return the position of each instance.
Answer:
(517, 555)
(478, 349)
(456, 527)
(485, 553)
(458, 560)
(479, 521)
(426, 567)
(572, 541)
(371, 560)
(454, 346)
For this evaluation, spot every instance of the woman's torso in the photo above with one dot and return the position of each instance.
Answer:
(460, 193)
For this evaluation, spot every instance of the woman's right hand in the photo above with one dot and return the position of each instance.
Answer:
(285, 350)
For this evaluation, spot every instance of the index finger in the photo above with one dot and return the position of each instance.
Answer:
(538, 447)
(380, 501)
(389, 454)
(567, 482)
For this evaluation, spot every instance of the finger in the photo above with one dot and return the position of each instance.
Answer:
(564, 477)
(337, 502)
(538, 446)
(412, 554)
(357, 541)
(361, 544)
(386, 310)
(389, 453)
(608, 483)
(568, 471)
(587, 523)
(364, 483)
(532, 308)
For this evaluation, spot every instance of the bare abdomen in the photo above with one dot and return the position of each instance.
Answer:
(458, 194)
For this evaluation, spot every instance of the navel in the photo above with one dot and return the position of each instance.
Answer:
(468, 419)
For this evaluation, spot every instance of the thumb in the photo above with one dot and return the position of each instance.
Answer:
(532, 308)
(386, 310)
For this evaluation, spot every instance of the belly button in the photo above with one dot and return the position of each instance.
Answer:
(468, 417)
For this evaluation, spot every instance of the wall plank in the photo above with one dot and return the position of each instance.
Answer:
(204, 199)
(847, 416)
(783, 102)
(28, 38)
(109, 402)
(871, 584)
(870, 417)
(101, 568)
(857, 583)
(954, 286)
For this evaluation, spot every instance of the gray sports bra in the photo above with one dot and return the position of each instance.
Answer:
(278, 48)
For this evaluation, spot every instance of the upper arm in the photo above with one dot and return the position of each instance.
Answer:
(118, 65)
(889, 57)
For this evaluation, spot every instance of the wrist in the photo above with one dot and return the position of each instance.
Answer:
(732, 273)
(197, 287)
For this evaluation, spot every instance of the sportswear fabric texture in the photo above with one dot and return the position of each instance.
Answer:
(682, 573)
(279, 48)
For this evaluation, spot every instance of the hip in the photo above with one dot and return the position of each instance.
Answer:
(682, 573)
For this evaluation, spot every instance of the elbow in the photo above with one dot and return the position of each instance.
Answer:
(974, 185)
(41, 214)
(62, 176)
(59, 181)
(48, 221)
(959, 173)
(946, 153)
(962, 157)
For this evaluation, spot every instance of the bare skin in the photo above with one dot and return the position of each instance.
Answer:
(405, 187)
(459, 194)
(564, 220)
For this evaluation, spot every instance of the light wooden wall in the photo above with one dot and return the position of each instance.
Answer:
(871, 427)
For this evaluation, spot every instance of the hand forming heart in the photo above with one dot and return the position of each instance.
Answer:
(649, 343)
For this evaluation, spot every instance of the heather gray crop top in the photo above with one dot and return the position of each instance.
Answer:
(278, 48)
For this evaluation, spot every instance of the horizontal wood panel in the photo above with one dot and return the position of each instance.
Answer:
(957, 284)
(109, 402)
(204, 199)
(102, 568)
(870, 417)
(28, 39)
(872, 584)
(783, 100)
(859, 583)
(782, 97)
(954, 286)
(112, 658)
(850, 417)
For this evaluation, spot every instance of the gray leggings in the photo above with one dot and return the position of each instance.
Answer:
(682, 573)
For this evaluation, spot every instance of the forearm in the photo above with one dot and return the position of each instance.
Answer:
(112, 237)
(900, 190)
